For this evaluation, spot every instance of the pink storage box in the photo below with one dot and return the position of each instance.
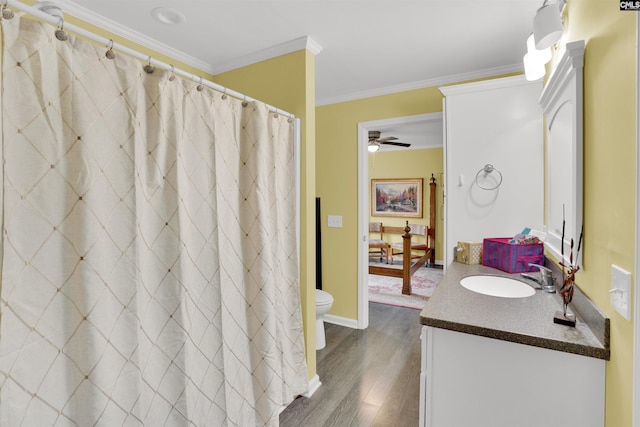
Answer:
(511, 257)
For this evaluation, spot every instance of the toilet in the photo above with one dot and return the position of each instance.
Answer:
(324, 301)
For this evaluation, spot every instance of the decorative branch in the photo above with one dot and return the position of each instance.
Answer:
(568, 280)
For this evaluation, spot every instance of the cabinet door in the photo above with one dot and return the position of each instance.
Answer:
(478, 381)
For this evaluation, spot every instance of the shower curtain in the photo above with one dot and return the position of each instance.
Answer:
(149, 263)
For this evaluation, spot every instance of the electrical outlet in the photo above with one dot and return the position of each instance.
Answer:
(621, 291)
(334, 221)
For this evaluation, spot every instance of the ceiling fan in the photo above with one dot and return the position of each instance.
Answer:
(375, 141)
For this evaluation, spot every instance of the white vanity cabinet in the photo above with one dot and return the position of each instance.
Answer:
(504, 362)
(469, 380)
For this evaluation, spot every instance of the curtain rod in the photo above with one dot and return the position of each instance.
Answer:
(58, 21)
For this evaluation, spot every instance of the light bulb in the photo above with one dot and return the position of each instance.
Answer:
(532, 70)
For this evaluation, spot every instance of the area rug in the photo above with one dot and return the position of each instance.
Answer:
(388, 290)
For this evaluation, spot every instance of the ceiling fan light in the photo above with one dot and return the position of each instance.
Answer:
(547, 26)
(533, 70)
(541, 56)
(373, 147)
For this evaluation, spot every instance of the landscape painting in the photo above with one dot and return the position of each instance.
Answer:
(396, 197)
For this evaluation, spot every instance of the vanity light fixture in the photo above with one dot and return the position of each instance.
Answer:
(167, 15)
(541, 56)
(373, 146)
(547, 24)
(547, 30)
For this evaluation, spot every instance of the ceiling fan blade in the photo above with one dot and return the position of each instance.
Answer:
(388, 138)
(399, 144)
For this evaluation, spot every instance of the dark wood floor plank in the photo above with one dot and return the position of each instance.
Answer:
(369, 377)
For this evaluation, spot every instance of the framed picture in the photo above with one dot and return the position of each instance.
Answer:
(396, 197)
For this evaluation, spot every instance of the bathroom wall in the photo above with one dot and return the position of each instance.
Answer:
(496, 122)
(609, 175)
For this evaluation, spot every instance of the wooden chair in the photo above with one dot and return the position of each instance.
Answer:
(378, 246)
(425, 247)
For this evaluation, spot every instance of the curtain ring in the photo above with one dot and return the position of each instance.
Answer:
(110, 54)
(172, 76)
(200, 86)
(6, 12)
(60, 34)
(290, 119)
(149, 69)
(224, 93)
(244, 102)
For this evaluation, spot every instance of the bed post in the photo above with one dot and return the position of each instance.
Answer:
(406, 260)
(432, 221)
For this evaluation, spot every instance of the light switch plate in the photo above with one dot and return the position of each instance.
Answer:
(621, 291)
(334, 221)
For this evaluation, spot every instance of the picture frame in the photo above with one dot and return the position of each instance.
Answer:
(397, 197)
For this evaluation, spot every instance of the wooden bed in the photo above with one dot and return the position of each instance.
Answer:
(409, 267)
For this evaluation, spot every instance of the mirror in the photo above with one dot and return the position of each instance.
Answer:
(561, 101)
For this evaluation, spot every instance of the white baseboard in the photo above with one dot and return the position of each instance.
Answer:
(341, 321)
(314, 385)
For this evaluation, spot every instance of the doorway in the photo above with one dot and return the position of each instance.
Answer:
(430, 127)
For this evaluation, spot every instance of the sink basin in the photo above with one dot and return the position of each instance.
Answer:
(497, 286)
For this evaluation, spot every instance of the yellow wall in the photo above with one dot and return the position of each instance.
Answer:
(288, 82)
(411, 164)
(337, 182)
(609, 175)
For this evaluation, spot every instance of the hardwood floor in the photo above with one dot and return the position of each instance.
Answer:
(369, 377)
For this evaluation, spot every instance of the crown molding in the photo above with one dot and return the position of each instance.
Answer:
(489, 72)
(305, 42)
(312, 46)
(80, 12)
(294, 45)
(492, 84)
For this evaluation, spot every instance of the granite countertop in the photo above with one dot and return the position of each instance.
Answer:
(526, 321)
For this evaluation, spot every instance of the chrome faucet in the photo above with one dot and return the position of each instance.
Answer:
(545, 279)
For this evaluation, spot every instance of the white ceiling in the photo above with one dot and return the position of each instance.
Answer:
(366, 47)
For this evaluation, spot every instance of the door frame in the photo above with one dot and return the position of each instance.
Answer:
(636, 330)
(364, 201)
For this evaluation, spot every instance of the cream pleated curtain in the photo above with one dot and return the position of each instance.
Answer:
(149, 265)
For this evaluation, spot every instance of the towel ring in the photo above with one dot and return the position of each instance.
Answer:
(487, 169)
